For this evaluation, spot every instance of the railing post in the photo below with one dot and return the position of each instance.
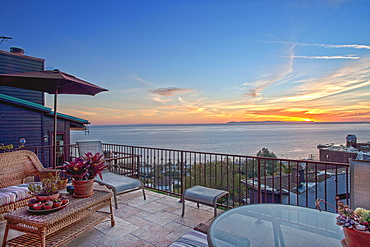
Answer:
(259, 192)
(133, 167)
(182, 172)
(138, 163)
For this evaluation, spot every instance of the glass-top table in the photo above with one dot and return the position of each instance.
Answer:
(275, 225)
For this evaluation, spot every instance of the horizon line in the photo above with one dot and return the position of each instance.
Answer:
(240, 123)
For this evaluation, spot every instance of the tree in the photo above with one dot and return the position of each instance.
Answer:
(270, 166)
(266, 153)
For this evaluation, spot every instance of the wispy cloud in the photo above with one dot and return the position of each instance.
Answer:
(328, 57)
(162, 100)
(258, 86)
(354, 46)
(341, 81)
(149, 83)
(191, 105)
(170, 91)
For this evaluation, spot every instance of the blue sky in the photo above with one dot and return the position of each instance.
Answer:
(202, 61)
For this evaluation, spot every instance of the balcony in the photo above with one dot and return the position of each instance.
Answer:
(249, 179)
(166, 173)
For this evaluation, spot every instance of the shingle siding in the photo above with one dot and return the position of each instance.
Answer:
(15, 63)
(17, 123)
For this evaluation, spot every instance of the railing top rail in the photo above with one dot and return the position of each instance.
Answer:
(238, 156)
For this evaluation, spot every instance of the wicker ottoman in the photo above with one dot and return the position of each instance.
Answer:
(203, 195)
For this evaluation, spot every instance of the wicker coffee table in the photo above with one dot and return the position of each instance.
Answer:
(59, 227)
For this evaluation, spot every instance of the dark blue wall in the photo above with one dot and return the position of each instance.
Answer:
(17, 63)
(18, 122)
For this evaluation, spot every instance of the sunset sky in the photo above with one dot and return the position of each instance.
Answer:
(172, 62)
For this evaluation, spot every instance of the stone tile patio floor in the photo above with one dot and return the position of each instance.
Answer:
(155, 221)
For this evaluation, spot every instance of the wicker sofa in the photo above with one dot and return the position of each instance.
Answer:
(15, 167)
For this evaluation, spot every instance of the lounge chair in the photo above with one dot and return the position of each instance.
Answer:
(117, 183)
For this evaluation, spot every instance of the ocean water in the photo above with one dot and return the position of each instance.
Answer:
(286, 140)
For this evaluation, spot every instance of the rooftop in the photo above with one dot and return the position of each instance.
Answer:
(38, 107)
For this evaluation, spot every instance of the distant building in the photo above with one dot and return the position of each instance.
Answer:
(342, 154)
(164, 183)
(23, 113)
(294, 189)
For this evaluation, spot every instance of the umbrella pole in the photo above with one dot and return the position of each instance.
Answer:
(55, 130)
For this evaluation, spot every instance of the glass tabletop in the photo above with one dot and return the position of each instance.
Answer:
(275, 225)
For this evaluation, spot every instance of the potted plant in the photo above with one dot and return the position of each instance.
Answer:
(355, 223)
(83, 170)
(48, 189)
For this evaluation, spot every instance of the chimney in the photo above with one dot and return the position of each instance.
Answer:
(351, 141)
(301, 176)
(295, 175)
(298, 175)
(17, 50)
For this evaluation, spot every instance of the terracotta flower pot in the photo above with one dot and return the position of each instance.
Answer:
(47, 198)
(356, 238)
(83, 188)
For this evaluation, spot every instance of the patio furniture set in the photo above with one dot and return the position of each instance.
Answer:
(117, 183)
(43, 229)
(57, 227)
(60, 227)
(15, 168)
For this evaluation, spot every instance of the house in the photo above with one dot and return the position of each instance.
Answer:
(342, 154)
(164, 183)
(23, 113)
(299, 187)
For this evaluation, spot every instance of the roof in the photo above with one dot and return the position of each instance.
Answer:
(15, 54)
(71, 118)
(38, 107)
(25, 103)
(285, 182)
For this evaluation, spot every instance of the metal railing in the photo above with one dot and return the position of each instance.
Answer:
(249, 179)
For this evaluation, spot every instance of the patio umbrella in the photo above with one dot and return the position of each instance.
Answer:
(53, 82)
